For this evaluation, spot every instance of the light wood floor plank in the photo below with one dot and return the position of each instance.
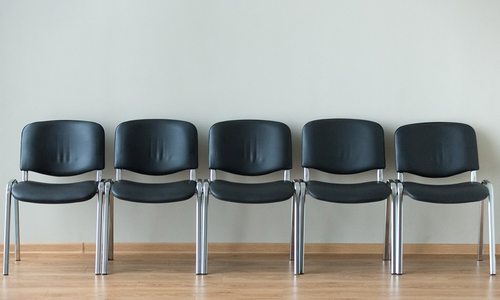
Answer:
(327, 248)
(247, 276)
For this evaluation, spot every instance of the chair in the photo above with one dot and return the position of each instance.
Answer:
(248, 148)
(57, 148)
(346, 147)
(438, 150)
(150, 147)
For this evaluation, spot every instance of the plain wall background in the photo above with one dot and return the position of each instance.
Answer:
(390, 61)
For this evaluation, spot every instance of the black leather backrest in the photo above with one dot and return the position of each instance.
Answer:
(343, 146)
(156, 147)
(438, 149)
(62, 147)
(250, 147)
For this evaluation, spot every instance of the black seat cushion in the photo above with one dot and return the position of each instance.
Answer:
(450, 193)
(252, 192)
(348, 193)
(52, 193)
(153, 192)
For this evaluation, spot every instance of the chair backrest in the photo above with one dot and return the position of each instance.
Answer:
(156, 146)
(343, 146)
(437, 149)
(62, 147)
(250, 147)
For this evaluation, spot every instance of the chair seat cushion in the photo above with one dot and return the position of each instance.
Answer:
(153, 192)
(348, 193)
(450, 193)
(54, 193)
(268, 192)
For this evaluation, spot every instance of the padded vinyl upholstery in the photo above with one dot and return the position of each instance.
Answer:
(348, 193)
(62, 147)
(51, 193)
(153, 192)
(250, 147)
(437, 149)
(252, 193)
(446, 194)
(156, 146)
(343, 146)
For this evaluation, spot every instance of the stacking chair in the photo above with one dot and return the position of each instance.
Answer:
(248, 148)
(57, 148)
(150, 147)
(438, 150)
(341, 147)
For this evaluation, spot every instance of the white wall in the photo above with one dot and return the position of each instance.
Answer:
(390, 61)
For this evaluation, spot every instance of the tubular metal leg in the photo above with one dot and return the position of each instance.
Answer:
(480, 243)
(6, 228)
(111, 226)
(295, 231)
(491, 229)
(299, 199)
(17, 237)
(105, 229)
(201, 228)
(387, 228)
(98, 242)
(302, 194)
(292, 238)
(396, 232)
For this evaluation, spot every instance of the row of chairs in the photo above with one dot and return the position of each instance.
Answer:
(249, 148)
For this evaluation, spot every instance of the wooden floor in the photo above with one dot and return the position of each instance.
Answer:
(247, 276)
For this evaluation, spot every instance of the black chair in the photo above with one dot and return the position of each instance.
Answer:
(248, 148)
(438, 150)
(57, 148)
(346, 147)
(151, 147)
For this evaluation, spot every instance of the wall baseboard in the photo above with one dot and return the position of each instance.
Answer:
(318, 248)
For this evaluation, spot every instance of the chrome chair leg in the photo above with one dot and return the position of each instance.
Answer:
(201, 228)
(111, 226)
(98, 242)
(302, 244)
(491, 228)
(396, 232)
(17, 236)
(292, 238)
(480, 243)
(387, 249)
(6, 227)
(105, 229)
(295, 232)
(299, 199)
